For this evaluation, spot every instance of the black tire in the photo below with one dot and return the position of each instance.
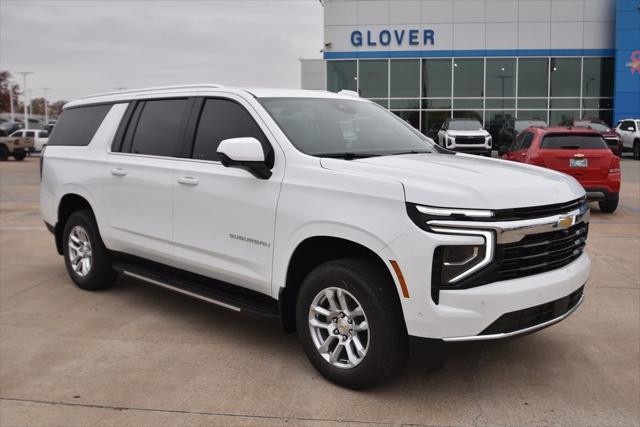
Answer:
(4, 153)
(608, 205)
(387, 341)
(636, 149)
(100, 274)
(19, 156)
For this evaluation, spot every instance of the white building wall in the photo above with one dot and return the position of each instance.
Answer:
(475, 24)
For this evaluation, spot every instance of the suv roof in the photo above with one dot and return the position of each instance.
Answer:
(202, 89)
(563, 129)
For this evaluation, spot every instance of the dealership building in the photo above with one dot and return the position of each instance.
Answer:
(427, 60)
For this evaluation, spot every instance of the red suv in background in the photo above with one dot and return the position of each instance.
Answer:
(579, 152)
(611, 137)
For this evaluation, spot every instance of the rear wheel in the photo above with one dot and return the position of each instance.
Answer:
(88, 261)
(636, 149)
(609, 205)
(350, 323)
(4, 153)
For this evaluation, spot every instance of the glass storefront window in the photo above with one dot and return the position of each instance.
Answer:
(501, 78)
(532, 103)
(596, 103)
(532, 77)
(605, 115)
(411, 117)
(405, 78)
(436, 104)
(342, 75)
(555, 117)
(532, 114)
(499, 103)
(461, 103)
(597, 77)
(565, 77)
(494, 121)
(407, 104)
(468, 114)
(436, 78)
(468, 77)
(431, 122)
(383, 102)
(373, 79)
(565, 103)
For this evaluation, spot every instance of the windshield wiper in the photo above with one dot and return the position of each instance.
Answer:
(409, 152)
(347, 155)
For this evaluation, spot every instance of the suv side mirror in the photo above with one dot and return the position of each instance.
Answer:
(244, 153)
(630, 129)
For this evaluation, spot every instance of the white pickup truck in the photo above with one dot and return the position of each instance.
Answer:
(321, 209)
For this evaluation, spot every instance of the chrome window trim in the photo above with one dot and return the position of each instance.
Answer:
(518, 332)
(514, 231)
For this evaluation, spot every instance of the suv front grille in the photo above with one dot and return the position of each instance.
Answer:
(535, 254)
(533, 316)
(475, 140)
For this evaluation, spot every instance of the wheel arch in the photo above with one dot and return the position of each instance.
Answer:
(312, 252)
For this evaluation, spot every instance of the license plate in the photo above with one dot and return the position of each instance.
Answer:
(578, 163)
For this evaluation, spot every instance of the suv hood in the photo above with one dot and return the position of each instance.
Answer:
(466, 181)
(455, 133)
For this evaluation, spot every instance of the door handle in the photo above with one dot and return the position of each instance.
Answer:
(187, 180)
(118, 172)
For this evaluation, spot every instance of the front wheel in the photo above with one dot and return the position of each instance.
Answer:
(350, 323)
(636, 150)
(20, 155)
(87, 259)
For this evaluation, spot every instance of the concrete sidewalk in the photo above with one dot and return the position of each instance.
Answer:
(138, 355)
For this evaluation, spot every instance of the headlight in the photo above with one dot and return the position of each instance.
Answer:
(454, 263)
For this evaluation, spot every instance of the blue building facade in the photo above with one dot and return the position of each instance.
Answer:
(626, 99)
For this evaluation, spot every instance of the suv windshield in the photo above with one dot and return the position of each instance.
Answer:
(464, 125)
(574, 142)
(521, 125)
(343, 128)
(600, 127)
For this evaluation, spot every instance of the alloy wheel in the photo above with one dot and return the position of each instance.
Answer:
(339, 328)
(80, 254)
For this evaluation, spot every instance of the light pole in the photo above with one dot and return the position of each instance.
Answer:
(46, 107)
(13, 114)
(25, 93)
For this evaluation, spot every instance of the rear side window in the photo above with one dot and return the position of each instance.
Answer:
(568, 141)
(223, 119)
(160, 129)
(76, 126)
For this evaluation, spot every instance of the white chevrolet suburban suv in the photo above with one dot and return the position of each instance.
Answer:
(321, 209)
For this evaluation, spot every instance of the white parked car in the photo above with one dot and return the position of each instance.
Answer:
(323, 210)
(465, 135)
(629, 131)
(40, 137)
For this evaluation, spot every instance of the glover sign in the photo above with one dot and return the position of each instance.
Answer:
(406, 37)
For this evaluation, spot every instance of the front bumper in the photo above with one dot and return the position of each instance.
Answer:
(465, 314)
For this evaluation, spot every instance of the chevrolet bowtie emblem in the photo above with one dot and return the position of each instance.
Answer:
(566, 221)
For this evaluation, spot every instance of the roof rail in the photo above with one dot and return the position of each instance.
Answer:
(351, 93)
(151, 89)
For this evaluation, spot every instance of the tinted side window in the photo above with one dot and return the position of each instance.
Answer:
(527, 140)
(628, 124)
(160, 129)
(76, 126)
(223, 119)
